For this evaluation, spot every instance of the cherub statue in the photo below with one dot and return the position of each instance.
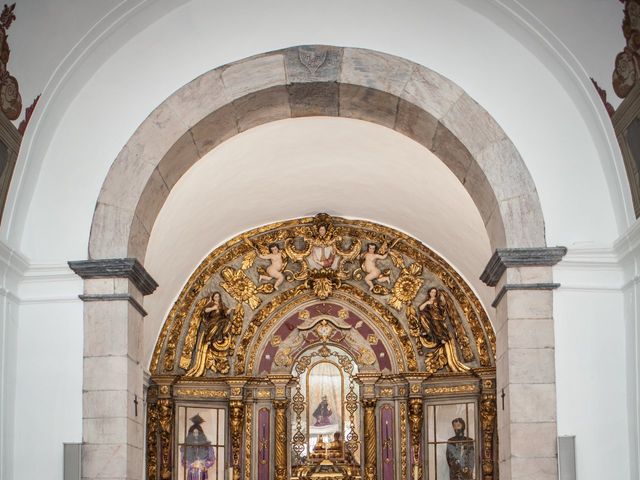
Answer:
(370, 267)
(274, 254)
(273, 271)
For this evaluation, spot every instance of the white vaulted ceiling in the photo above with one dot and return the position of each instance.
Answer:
(300, 167)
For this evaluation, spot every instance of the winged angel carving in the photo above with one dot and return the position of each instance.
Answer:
(276, 257)
(434, 332)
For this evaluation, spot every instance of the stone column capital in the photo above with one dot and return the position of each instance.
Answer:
(129, 268)
(504, 258)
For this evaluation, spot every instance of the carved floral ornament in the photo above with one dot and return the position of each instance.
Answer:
(627, 62)
(417, 303)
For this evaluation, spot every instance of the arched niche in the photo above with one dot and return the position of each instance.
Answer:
(413, 329)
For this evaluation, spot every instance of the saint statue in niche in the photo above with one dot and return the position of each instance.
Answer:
(197, 453)
(434, 332)
(323, 413)
(460, 453)
(214, 339)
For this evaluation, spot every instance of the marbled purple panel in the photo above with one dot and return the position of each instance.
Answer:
(264, 441)
(387, 441)
(290, 324)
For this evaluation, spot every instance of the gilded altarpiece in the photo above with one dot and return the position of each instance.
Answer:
(322, 348)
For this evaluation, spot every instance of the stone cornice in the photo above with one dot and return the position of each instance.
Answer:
(128, 268)
(522, 286)
(115, 297)
(504, 258)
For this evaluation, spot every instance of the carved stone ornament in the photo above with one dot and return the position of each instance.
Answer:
(627, 66)
(245, 287)
(10, 99)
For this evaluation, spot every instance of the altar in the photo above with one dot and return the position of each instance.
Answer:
(372, 360)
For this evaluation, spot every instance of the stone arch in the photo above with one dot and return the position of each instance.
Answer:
(315, 81)
(325, 81)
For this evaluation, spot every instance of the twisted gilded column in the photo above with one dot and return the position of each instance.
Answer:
(488, 423)
(152, 434)
(280, 447)
(370, 469)
(235, 428)
(415, 425)
(165, 421)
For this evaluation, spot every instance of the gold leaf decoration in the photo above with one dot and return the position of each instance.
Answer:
(240, 287)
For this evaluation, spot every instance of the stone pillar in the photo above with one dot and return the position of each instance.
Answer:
(112, 430)
(525, 366)
(280, 448)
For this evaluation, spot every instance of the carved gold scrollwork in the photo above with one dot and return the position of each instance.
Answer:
(415, 426)
(165, 422)
(248, 434)
(407, 285)
(487, 421)
(403, 440)
(152, 440)
(235, 428)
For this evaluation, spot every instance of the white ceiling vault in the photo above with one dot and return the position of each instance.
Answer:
(300, 167)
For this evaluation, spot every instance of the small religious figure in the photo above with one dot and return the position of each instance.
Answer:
(460, 453)
(370, 267)
(323, 254)
(434, 332)
(197, 452)
(215, 335)
(273, 271)
(323, 413)
(334, 448)
(432, 317)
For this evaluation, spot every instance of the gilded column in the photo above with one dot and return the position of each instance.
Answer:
(280, 448)
(370, 468)
(235, 428)
(165, 422)
(152, 435)
(415, 425)
(488, 424)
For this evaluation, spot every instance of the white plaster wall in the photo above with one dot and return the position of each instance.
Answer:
(517, 90)
(42, 35)
(592, 391)
(54, 208)
(590, 29)
(48, 407)
(8, 356)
